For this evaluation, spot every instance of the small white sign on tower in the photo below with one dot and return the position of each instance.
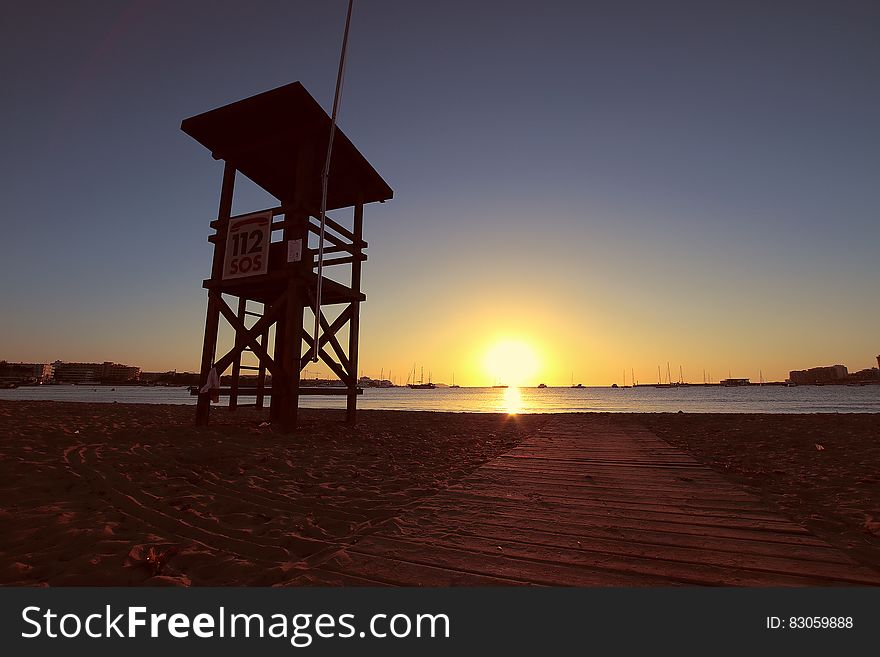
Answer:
(294, 250)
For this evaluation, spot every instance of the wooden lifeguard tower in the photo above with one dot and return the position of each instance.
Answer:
(263, 260)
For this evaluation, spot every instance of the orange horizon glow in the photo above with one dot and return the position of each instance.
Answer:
(525, 358)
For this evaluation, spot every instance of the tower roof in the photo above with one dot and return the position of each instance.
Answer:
(276, 135)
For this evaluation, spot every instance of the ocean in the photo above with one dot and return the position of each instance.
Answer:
(691, 399)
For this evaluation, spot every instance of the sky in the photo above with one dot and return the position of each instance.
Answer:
(580, 188)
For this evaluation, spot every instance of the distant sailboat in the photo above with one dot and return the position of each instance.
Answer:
(453, 382)
(421, 385)
(669, 383)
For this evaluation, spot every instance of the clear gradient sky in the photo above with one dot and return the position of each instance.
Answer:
(612, 184)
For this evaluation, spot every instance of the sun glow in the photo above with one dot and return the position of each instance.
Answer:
(511, 363)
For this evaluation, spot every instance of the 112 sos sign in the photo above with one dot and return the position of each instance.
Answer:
(247, 246)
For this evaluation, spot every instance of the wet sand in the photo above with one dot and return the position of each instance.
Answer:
(113, 494)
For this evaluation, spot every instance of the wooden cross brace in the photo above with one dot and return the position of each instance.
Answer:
(329, 331)
(247, 337)
(335, 367)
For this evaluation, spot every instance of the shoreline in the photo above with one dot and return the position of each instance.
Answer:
(90, 487)
(816, 399)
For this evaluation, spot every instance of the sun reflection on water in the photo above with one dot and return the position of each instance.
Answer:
(512, 401)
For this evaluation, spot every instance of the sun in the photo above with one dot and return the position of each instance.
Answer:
(511, 362)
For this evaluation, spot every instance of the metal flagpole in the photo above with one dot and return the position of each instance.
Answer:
(325, 177)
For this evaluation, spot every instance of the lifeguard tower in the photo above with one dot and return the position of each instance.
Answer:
(263, 278)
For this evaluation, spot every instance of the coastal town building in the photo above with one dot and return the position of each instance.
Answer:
(869, 375)
(26, 372)
(114, 372)
(367, 382)
(75, 372)
(105, 372)
(819, 375)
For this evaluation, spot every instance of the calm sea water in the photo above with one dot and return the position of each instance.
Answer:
(753, 399)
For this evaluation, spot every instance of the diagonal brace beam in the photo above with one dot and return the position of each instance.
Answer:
(249, 337)
(335, 367)
(329, 334)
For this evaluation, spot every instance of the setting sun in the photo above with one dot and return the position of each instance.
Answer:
(511, 362)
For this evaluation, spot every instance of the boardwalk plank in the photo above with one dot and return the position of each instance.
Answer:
(585, 502)
(686, 562)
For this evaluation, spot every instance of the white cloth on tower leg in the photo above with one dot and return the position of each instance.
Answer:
(212, 385)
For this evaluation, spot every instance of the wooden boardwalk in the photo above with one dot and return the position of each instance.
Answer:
(589, 504)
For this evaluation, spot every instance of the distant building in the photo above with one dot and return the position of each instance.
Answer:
(26, 372)
(172, 378)
(47, 372)
(76, 372)
(114, 372)
(734, 382)
(869, 375)
(367, 382)
(105, 372)
(819, 375)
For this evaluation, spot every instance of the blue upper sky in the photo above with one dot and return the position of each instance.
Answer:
(646, 181)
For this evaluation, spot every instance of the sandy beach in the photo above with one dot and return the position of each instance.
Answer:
(114, 494)
(88, 489)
